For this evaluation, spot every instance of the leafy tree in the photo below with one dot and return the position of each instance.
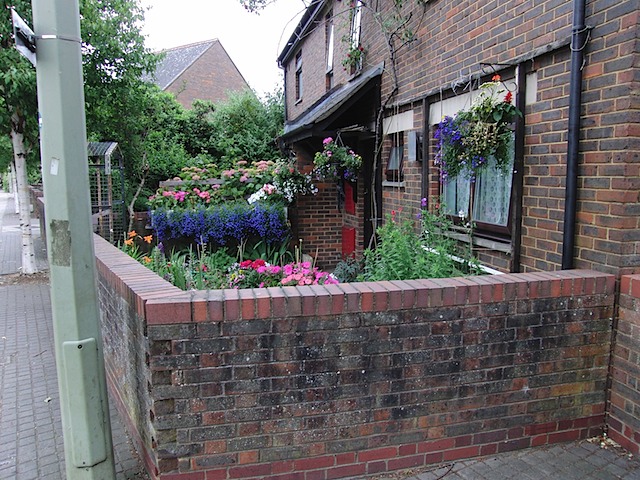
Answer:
(114, 58)
(196, 129)
(246, 128)
(152, 147)
(114, 61)
(6, 154)
(18, 120)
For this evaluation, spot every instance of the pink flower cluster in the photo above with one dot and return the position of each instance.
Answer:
(261, 266)
(263, 165)
(206, 196)
(269, 189)
(303, 274)
(291, 274)
(179, 195)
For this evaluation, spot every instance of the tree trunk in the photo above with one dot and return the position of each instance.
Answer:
(14, 188)
(21, 196)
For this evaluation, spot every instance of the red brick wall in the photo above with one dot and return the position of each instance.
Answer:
(353, 379)
(317, 221)
(624, 404)
(123, 289)
(455, 38)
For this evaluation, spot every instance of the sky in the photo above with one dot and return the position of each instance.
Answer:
(253, 41)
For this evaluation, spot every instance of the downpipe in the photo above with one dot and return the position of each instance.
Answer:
(579, 39)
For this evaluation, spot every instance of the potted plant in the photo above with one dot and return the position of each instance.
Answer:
(336, 162)
(354, 58)
(470, 138)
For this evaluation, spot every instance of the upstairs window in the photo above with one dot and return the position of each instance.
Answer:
(356, 20)
(329, 49)
(299, 76)
(355, 31)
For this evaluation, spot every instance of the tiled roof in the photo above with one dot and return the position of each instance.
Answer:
(176, 60)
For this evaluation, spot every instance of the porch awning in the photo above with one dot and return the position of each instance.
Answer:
(331, 106)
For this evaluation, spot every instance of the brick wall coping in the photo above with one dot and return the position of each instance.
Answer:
(162, 303)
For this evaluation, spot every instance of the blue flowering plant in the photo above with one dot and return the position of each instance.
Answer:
(221, 225)
(336, 162)
(467, 141)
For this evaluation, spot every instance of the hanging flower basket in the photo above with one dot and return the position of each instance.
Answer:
(354, 58)
(336, 162)
(469, 139)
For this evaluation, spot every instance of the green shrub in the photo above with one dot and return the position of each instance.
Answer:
(402, 253)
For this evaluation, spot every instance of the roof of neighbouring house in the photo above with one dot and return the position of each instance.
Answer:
(205, 66)
(176, 60)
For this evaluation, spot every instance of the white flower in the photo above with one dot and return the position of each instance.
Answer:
(259, 195)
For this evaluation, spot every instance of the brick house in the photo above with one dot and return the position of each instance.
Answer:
(199, 71)
(572, 198)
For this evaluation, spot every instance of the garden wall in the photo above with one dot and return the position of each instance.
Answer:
(352, 379)
(624, 410)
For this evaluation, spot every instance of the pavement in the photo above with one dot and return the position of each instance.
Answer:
(31, 445)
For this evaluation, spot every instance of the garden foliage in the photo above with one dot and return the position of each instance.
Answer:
(206, 184)
(402, 253)
(214, 269)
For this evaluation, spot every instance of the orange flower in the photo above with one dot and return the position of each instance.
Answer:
(132, 234)
(148, 238)
(146, 259)
(128, 242)
(495, 78)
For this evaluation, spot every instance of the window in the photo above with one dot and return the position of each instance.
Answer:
(356, 21)
(329, 48)
(299, 75)
(394, 171)
(487, 201)
(491, 194)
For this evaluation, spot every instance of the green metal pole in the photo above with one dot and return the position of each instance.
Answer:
(78, 344)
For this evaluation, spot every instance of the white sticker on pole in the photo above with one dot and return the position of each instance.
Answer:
(55, 163)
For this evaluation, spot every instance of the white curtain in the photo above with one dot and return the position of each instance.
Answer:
(492, 193)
